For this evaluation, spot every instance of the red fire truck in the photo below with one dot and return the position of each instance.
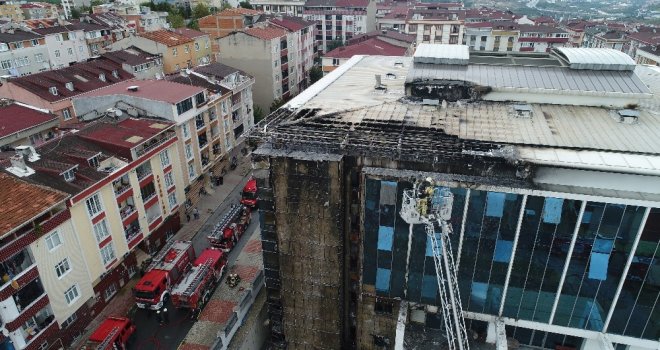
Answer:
(112, 334)
(229, 230)
(167, 268)
(249, 196)
(196, 287)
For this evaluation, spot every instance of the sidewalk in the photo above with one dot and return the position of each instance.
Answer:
(123, 302)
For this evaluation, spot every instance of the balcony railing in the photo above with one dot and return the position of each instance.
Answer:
(155, 142)
(199, 123)
(121, 189)
(131, 231)
(148, 196)
(44, 330)
(16, 264)
(202, 142)
(143, 172)
(29, 294)
(126, 211)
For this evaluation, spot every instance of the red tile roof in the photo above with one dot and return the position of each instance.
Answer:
(84, 76)
(15, 209)
(156, 90)
(266, 33)
(119, 134)
(293, 24)
(166, 37)
(189, 33)
(374, 46)
(649, 38)
(17, 117)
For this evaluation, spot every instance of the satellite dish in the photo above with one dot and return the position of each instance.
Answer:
(119, 113)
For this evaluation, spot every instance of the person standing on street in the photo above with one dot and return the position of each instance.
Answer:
(196, 213)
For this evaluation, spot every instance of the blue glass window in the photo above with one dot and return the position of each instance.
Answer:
(385, 237)
(495, 204)
(383, 280)
(503, 249)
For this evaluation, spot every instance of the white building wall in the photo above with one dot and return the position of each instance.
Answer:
(63, 53)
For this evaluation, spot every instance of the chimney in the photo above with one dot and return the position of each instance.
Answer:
(28, 152)
(18, 162)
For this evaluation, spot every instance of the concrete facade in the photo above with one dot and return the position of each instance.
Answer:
(66, 48)
(22, 57)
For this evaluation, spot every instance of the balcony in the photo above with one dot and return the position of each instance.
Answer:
(153, 214)
(148, 192)
(40, 327)
(121, 185)
(127, 208)
(202, 140)
(132, 230)
(143, 171)
(29, 294)
(285, 66)
(215, 132)
(199, 122)
(217, 149)
(284, 53)
(16, 264)
(154, 142)
(212, 114)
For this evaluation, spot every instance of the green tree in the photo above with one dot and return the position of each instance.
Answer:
(245, 4)
(75, 13)
(193, 24)
(277, 104)
(96, 3)
(258, 114)
(225, 5)
(175, 19)
(334, 44)
(315, 74)
(200, 10)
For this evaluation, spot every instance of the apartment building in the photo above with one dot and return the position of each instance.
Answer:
(511, 36)
(644, 37)
(53, 90)
(222, 23)
(394, 19)
(11, 11)
(575, 30)
(23, 53)
(549, 248)
(436, 26)
(141, 64)
(540, 38)
(126, 188)
(177, 51)
(611, 39)
(25, 125)
(39, 10)
(278, 53)
(279, 7)
(201, 44)
(186, 106)
(66, 45)
(44, 279)
(648, 55)
(338, 21)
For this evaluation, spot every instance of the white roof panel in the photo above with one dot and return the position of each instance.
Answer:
(442, 54)
(596, 58)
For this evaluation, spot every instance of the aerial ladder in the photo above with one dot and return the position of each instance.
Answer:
(430, 205)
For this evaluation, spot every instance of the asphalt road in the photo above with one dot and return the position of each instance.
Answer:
(150, 334)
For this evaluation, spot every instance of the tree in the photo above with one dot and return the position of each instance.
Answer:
(194, 24)
(96, 3)
(200, 10)
(258, 114)
(315, 74)
(175, 19)
(334, 44)
(75, 13)
(225, 5)
(245, 4)
(277, 104)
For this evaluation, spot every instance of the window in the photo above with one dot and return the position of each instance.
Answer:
(4, 47)
(39, 57)
(115, 73)
(110, 291)
(93, 205)
(6, 64)
(69, 321)
(72, 294)
(164, 158)
(81, 48)
(108, 253)
(186, 130)
(101, 231)
(69, 175)
(186, 49)
(62, 268)
(19, 45)
(22, 61)
(335, 61)
(102, 77)
(196, 46)
(70, 51)
(57, 53)
(53, 240)
(34, 42)
(188, 149)
(94, 161)
(174, 52)
(184, 106)
(200, 99)
(169, 180)
(172, 199)
(191, 170)
(65, 112)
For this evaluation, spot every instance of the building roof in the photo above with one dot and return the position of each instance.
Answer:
(392, 34)
(268, 32)
(195, 80)
(218, 70)
(189, 33)
(239, 10)
(647, 37)
(156, 90)
(527, 28)
(59, 29)
(131, 56)
(125, 134)
(654, 50)
(166, 37)
(442, 54)
(15, 209)
(597, 58)
(16, 117)
(84, 76)
(337, 3)
(291, 23)
(41, 22)
(371, 46)
(18, 35)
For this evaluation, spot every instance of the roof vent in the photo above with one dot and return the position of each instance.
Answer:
(379, 84)
(522, 111)
(69, 86)
(102, 77)
(28, 152)
(18, 166)
(133, 88)
(53, 90)
(628, 116)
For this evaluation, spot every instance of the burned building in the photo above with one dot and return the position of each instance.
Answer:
(553, 164)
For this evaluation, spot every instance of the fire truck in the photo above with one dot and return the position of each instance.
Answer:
(196, 287)
(166, 269)
(112, 334)
(229, 230)
(249, 196)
